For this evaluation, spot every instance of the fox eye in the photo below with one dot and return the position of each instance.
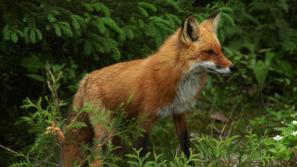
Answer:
(210, 52)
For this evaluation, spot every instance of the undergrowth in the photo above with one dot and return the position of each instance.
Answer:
(275, 147)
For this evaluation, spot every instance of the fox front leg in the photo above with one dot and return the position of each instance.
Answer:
(142, 143)
(143, 140)
(182, 132)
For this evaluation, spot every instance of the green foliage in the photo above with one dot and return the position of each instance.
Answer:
(79, 36)
(206, 150)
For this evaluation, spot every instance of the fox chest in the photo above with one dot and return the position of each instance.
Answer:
(186, 91)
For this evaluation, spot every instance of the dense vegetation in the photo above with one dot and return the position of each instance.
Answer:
(46, 47)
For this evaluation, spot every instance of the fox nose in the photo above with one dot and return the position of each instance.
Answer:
(232, 68)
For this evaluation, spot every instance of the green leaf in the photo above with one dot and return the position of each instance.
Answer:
(149, 6)
(32, 35)
(14, 37)
(112, 24)
(226, 9)
(32, 63)
(38, 33)
(100, 25)
(78, 125)
(88, 47)
(75, 23)
(66, 29)
(51, 18)
(20, 33)
(172, 4)
(57, 30)
(269, 58)
(89, 7)
(100, 7)
(97, 46)
(116, 54)
(129, 33)
(6, 32)
(143, 11)
(36, 77)
(228, 19)
(26, 34)
(261, 71)
(285, 67)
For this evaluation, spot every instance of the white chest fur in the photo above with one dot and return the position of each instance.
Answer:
(184, 99)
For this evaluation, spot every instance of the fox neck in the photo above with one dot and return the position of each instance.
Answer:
(177, 87)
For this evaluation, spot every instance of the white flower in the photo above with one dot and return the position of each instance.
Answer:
(294, 122)
(294, 133)
(277, 137)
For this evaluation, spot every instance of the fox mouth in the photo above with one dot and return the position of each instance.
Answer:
(221, 72)
(213, 68)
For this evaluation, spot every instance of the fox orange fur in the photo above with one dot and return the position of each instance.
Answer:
(164, 83)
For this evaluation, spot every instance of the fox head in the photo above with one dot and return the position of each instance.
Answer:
(201, 47)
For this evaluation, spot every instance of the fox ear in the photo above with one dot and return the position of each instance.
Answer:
(189, 30)
(214, 19)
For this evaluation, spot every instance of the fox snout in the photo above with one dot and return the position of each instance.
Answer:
(218, 69)
(225, 71)
(222, 65)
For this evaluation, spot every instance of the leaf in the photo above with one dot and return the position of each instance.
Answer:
(141, 23)
(260, 71)
(78, 125)
(97, 46)
(122, 37)
(149, 6)
(38, 33)
(116, 54)
(6, 32)
(66, 29)
(87, 47)
(143, 11)
(32, 36)
(14, 37)
(129, 33)
(32, 63)
(174, 20)
(75, 22)
(26, 34)
(285, 67)
(57, 30)
(36, 77)
(51, 18)
(112, 24)
(89, 7)
(100, 25)
(20, 33)
(269, 58)
(101, 7)
(79, 19)
(226, 9)
(228, 19)
(172, 4)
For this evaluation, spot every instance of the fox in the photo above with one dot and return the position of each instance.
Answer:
(165, 83)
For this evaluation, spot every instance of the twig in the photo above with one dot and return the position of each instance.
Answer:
(12, 151)
(26, 157)
(225, 125)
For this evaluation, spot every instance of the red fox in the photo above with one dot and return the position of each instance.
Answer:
(163, 84)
